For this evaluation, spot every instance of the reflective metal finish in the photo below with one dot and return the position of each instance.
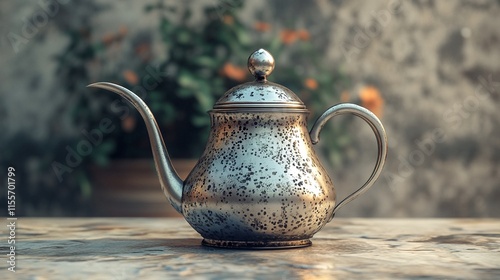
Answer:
(378, 129)
(259, 183)
(261, 64)
(170, 181)
(259, 180)
(260, 95)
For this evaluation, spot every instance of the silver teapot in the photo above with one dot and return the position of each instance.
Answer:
(259, 183)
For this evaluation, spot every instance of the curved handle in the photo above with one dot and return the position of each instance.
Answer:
(378, 129)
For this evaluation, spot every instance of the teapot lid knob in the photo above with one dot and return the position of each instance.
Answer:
(261, 64)
(260, 95)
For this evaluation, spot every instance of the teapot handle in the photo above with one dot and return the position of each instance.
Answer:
(378, 129)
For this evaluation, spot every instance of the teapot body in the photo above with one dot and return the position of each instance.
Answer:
(258, 181)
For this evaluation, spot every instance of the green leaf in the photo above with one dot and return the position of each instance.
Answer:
(107, 147)
(336, 158)
(165, 28)
(169, 112)
(343, 139)
(206, 61)
(242, 36)
(187, 81)
(100, 156)
(183, 36)
(200, 121)
(85, 186)
(149, 7)
(205, 99)
(100, 160)
(184, 93)
(187, 14)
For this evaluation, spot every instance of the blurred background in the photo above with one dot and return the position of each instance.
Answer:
(429, 69)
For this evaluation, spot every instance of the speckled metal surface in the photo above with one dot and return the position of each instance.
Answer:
(257, 245)
(260, 96)
(259, 183)
(258, 180)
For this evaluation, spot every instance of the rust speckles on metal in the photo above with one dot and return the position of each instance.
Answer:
(258, 179)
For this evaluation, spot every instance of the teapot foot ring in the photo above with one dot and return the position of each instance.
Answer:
(256, 245)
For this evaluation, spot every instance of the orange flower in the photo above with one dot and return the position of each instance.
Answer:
(131, 77)
(345, 96)
(288, 36)
(128, 124)
(372, 100)
(311, 83)
(234, 72)
(143, 50)
(108, 38)
(303, 35)
(262, 26)
(227, 19)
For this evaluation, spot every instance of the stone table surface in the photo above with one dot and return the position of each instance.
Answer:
(167, 248)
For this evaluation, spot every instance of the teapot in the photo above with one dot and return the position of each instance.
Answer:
(259, 183)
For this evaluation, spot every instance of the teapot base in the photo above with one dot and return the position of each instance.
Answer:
(256, 245)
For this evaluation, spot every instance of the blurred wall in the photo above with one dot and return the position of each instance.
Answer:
(438, 67)
(436, 64)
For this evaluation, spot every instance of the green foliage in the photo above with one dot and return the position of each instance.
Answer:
(199, 60)
(195, 61)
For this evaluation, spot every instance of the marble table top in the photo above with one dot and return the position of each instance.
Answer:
(167, 248)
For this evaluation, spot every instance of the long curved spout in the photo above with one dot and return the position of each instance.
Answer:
(171, 183)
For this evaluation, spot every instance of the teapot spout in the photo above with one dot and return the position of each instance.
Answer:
(171, 183)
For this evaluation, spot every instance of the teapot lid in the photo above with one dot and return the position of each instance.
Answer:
(260, 95)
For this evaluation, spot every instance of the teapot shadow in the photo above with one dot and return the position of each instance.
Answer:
(171, 257)
(106, 248)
